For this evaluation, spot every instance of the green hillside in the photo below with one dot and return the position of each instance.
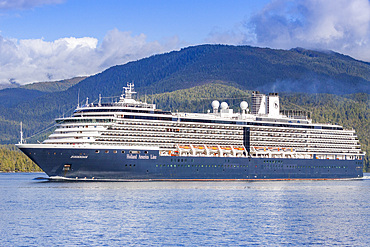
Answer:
(243, 67)
(54, 86)
(13, 160)
(11, 97)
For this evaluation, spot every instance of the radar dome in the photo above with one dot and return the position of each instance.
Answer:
(243, 105)
(215, 104)
(224, 105)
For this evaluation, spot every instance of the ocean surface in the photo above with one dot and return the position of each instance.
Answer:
(264, 213)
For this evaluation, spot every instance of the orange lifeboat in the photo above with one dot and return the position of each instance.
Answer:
(260, 148)
(185, 147)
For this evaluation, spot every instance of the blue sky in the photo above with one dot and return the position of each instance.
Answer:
(44, 40)
(157, 19)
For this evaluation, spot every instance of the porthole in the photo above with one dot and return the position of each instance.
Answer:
(123, 151)
(106, 151)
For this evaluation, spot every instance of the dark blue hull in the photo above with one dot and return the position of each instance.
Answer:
(148, 165)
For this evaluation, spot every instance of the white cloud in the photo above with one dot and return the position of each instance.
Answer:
(26, 4)
(26, 61)
(339, 25)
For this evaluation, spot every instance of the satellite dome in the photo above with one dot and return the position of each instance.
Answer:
(215, 104)
(224, 105)
(243, 105)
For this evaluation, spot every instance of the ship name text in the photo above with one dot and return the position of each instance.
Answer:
(141, 157)
(79, 157)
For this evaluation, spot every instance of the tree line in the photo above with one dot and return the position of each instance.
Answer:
(13, 160)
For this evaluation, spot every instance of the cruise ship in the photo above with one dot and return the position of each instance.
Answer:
(130, 140)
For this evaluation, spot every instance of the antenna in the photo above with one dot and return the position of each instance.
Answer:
(78, 99)
(21, 142)
(99, 100)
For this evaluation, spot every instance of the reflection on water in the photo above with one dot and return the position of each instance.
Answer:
(183, 213)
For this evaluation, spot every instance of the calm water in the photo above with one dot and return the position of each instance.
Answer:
(278, 213)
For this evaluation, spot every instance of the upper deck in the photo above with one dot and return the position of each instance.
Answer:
(261, 133)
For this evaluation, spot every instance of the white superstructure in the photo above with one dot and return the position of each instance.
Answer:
(262, 133)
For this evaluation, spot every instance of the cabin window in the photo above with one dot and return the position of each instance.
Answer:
(123, 151)
(97, 151)
(115, 151)
(106, 151)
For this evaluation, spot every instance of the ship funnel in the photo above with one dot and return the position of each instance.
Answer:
(258, 103)
(273, 105)
(265, 104)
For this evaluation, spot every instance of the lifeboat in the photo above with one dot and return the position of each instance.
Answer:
(260, 148)
(212, 149)
(185, 147)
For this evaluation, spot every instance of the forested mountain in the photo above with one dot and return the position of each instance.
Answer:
(10, 97)
(54, 86)
(225, 72)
